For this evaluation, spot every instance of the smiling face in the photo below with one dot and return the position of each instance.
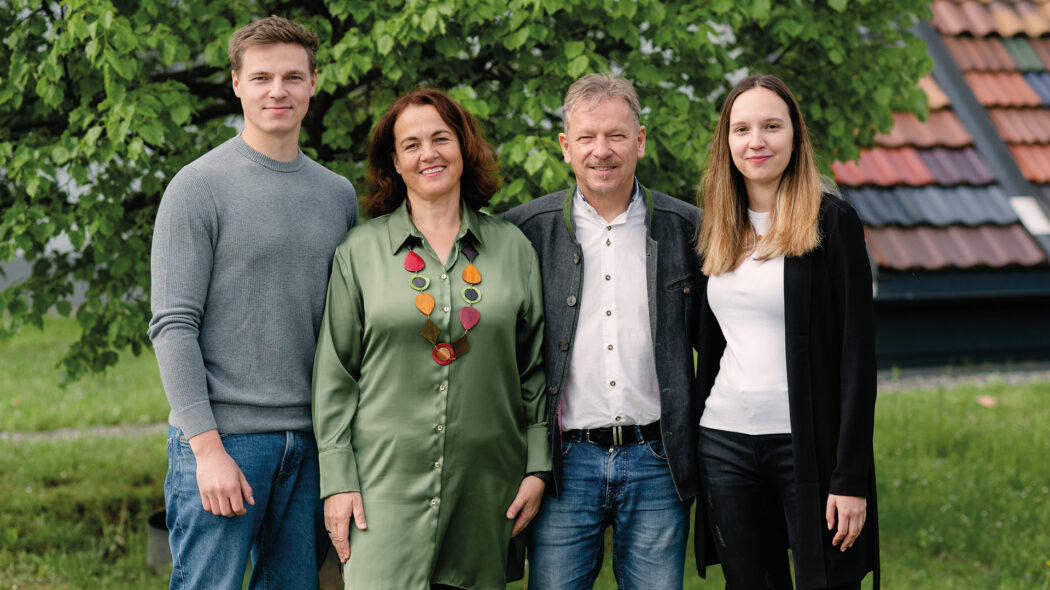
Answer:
(427, 154)
(275, 84)
(603, 142)
(760, 137)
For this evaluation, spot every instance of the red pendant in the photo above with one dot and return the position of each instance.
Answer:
(413, 263)
(443, 353)
(468, 316)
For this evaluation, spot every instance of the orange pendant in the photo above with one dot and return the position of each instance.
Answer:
(471, 274)
(425, 303)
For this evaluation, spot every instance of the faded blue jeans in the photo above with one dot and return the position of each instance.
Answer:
(283, 532)
(627, 487)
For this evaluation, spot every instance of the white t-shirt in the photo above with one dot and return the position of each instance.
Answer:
(750, 393)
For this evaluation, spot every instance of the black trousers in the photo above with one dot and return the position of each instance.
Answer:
(750, 497)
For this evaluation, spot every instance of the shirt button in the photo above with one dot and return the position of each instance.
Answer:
(437, 464)
(612, 383)
(441, 387)
(607, 277)
(571, 300)
(445, 308)
(441, 428)
(563, 345)
(608, 228)
(617, 418)
(685, 290)
(608, 312)
(433, 501)
(444, 277)
(610, 347)
(608, 242)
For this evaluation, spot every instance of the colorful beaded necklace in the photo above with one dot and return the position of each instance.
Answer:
(443, 352)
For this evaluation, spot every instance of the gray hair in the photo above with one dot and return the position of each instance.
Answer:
(595, 88)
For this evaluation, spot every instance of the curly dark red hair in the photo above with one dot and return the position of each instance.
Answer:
(387, 189)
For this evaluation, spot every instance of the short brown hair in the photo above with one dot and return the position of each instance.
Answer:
(387, 189)
(271, 31)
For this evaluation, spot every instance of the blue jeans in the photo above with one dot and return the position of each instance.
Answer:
(628, 487)
(283, 532)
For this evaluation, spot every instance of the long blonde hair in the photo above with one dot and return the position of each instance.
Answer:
(726, 235)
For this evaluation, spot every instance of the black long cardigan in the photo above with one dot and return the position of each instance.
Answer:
(831, 390)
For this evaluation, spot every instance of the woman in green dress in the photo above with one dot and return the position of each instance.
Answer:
(428, 394)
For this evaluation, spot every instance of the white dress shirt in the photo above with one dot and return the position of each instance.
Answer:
(611, 378)
(750, 393)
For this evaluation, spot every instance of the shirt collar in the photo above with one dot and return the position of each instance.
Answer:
(636, 197)
(402, 230)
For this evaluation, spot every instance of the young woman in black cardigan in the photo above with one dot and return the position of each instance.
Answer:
(787, 360)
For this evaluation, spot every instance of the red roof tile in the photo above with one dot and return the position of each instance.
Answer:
(1022, 125)
(942, 128)
(968, 17)
(981, 54)
(1002, 89)
(953, 247)
(884, 167)
(1007, 22)
(938, 99)
(1034, 161)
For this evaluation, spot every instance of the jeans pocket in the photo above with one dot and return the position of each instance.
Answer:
(656, 449)
(566, 446)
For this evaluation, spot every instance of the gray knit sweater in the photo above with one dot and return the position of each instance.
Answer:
(242, 250)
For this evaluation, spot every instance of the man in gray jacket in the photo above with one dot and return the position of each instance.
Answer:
(242, 249)
(620, 282)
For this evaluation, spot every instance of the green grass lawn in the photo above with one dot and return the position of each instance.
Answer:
(963, 488)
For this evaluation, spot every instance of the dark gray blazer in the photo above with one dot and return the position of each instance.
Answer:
(671, 279)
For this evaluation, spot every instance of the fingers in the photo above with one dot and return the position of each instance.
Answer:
(338, 510)
(851, 512)
(246, 491)
(829, 512)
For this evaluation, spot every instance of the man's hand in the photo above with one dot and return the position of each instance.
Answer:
(526, 504)
(338, 510)
(222, 485)
(852, 511)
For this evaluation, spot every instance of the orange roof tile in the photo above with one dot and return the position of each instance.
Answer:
(982, 54)
(1024, 126)
(1035, 23)
(953, 247)
(938, 99)
(884, 167)
(968, 17)
(1002, 89)
(942, 128)
(1007, 22)
(1042, 48)
(1034, 161)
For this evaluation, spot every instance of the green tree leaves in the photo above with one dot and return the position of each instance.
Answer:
(102, 101)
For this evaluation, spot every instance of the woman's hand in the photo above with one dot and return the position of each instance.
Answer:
(526, 504)
(852, 511)
(338, 510)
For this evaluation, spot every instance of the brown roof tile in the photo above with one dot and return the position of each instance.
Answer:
(1041, 47)
(942, 128)
(884, 167)
(1007, 22)
(938, 99)
(953, 247)
(981, 54)
(1002, 89)
(979, 17)
(1034, 161)
(1023, 126)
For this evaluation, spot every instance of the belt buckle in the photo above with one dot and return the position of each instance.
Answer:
(617, 436)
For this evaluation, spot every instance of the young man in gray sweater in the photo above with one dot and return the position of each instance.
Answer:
(242, 248)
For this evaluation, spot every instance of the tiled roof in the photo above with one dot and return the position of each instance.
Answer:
(951, 167)
(938, 99)
(959, 247)
(1034, 161)
(884, 167)
(932, 205)
(942, 128)
(980, 54)
(1022, 54)
(1022, 125)
(1002, 89)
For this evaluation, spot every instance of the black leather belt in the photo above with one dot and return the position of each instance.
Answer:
(615, 436)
